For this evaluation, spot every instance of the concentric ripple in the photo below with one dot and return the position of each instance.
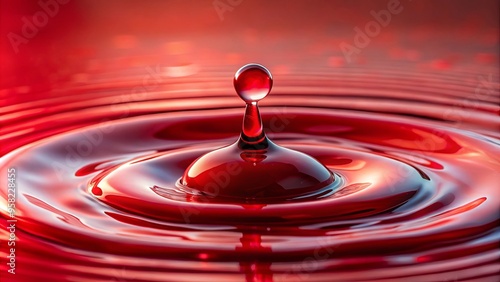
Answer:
(416, 192)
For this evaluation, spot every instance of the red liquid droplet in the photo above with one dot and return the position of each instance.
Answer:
(254, 169)
(253, 82)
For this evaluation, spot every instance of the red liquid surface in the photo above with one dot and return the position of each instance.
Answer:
(400, 206)
(413, 147)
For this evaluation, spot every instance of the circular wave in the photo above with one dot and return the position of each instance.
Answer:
(416, 194)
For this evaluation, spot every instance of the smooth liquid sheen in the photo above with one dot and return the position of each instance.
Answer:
(413, 197)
